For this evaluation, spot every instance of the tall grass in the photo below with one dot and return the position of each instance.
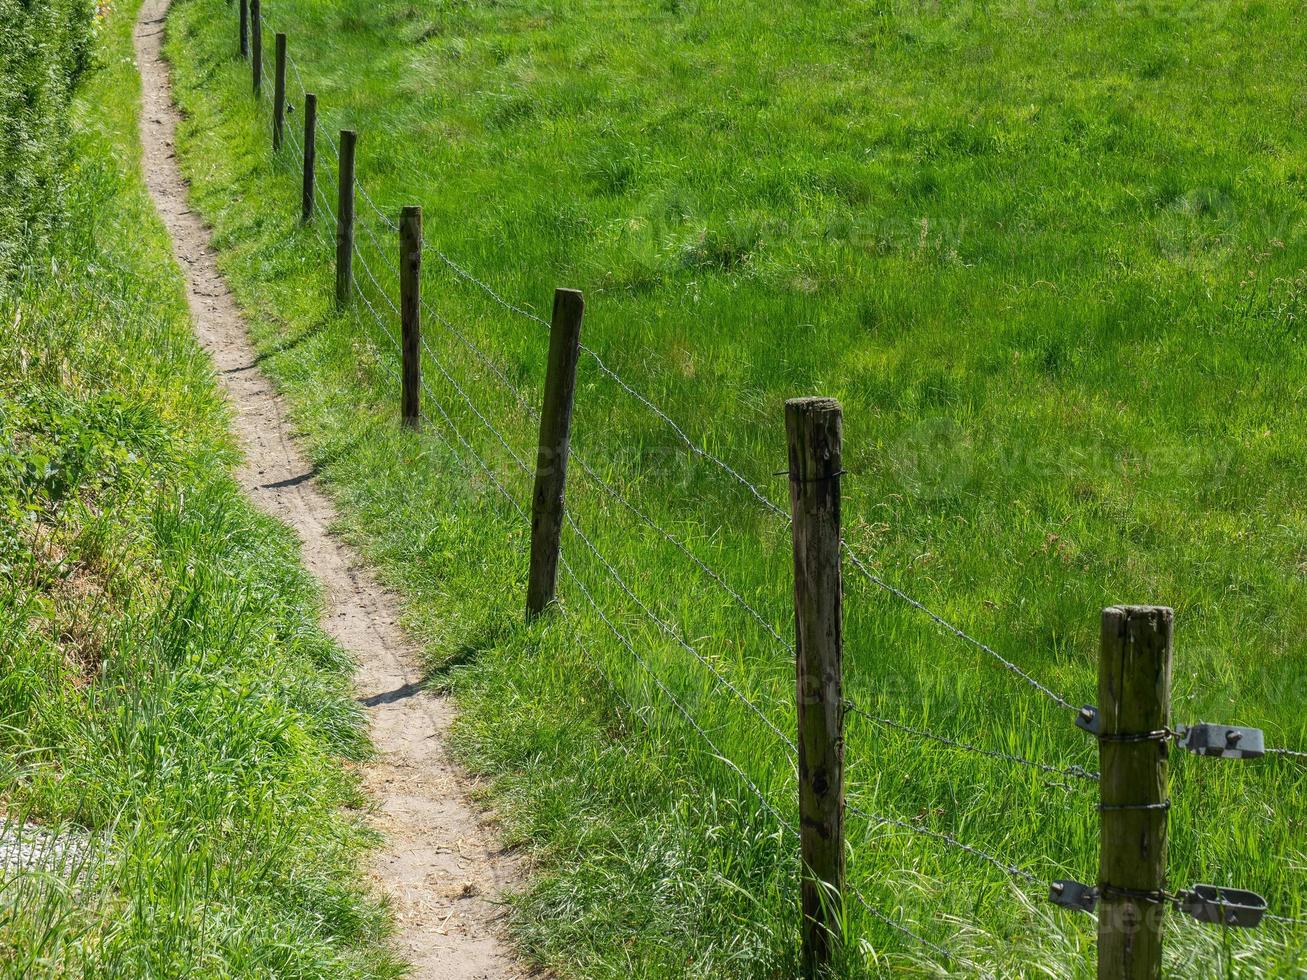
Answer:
(177, 735)
(45, 48)
(1050, 259)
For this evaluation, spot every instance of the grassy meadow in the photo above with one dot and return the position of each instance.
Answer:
(177, 735)
(1050, 256)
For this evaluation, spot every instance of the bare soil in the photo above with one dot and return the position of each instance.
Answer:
(439, 866)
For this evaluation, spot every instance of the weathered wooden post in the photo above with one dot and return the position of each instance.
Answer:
(310, 153)
(814, 430)
(279, 94)
(547, 501)
(256, 46)
(345, 219)
(410, 308)
(245, 29)
(1134, 704)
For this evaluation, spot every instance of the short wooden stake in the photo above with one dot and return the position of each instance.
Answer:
(310, 153)
(245, 29)
(1134, 704)
(279, 94)
(814, 430)
(547, 501)
(410, 311)
(345, 219)
(256, 47)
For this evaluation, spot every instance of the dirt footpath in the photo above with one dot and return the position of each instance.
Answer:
(439, 866)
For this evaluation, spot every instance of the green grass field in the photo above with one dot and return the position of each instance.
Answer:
(177, 735)
(1049, 256)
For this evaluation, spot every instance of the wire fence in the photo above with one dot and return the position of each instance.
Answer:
(373, 292)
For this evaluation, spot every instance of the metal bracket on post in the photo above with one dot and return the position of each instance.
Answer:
(1073, 895)
(1220, 741)
(1087, 719)
(1223, 906)
(1223, 741)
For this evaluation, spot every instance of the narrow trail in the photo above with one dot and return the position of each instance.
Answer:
(439, 865)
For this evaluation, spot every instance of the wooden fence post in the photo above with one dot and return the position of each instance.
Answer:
(547, 501)
(814, 429)
(410, 307)
(245, 29)
(345, 219)
(310, 153)
(279, 93)
(1134, 704)
(256, 47)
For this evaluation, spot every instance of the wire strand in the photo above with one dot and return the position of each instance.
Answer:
(681, 709)
(956, 631)
(677, 638)
(1006, 866)
(1071, 772)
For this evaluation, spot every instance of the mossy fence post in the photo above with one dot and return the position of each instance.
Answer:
(256, 47)
(310, 154)
(410, 312)
(345, 219)
(547, 497)
(814, 431)
(279, 93)
(244, 45)
(1134, 704)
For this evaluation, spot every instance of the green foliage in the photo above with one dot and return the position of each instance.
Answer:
(45, 48)
(1050, 257)
(175, 728)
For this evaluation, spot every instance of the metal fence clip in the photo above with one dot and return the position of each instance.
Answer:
(1223, 906)
(1224, 741)
(1073, 895)
(1087, 719)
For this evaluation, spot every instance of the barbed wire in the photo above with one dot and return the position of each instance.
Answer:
(681, 709)
(381, 216)
(756, 492)
(458, 434)
(463, 274)
(426, 389)
(698, 450)
(1285, 920)
(324, 202)
(681, 434)
(956, 631)
(435, 359)
(695, 448)
(743, 777)
(1071, 772)
(703, 566)
(1006, 866)
(521, 465)
(1290, 753)
(586, 468)
(876, 913)
(376, 316)
(381, 290)
(676, 637)
(594, 477)
(484, 359)
(589, 471)
(295, 70)
(289, 134)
